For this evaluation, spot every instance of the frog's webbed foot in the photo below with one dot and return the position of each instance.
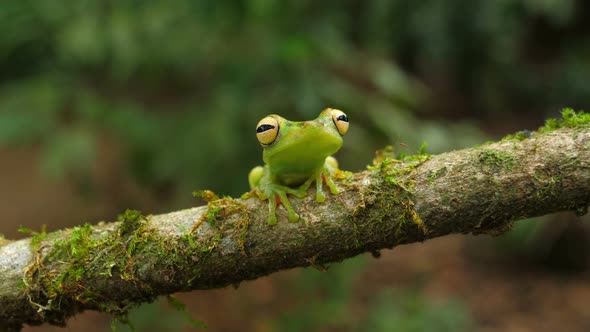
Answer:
(326, 174)
(278, 194)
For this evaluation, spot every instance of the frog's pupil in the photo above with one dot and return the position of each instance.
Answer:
(342, 117)
(264, 127)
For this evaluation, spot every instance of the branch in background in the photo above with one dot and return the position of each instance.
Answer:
(113, 266)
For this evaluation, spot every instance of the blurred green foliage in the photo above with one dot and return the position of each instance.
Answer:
(327, 304)
(407, 311)
(323, 298)
(155, 317)
(179, 85)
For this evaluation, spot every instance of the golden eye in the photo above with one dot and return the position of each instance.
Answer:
(340, 121)
(267, 130)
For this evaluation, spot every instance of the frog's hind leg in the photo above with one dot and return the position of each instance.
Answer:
(326, 174)
(330, 170)
(255, 176)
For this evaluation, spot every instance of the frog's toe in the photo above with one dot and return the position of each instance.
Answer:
(293, 216)
(272, 219)
(331, 184)
(334, 190)
(248, 194)
(320, 197)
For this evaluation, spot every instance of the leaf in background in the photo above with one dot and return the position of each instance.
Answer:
(398, 311)
(181, 308)
(19, 128)
(70, 152)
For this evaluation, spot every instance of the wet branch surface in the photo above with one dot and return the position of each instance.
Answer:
(112, 267)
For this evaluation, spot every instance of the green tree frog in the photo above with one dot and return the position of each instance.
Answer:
(295, 154)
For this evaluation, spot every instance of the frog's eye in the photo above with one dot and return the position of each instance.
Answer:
(340, 121)
(267, 130)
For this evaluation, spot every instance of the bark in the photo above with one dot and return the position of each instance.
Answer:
(113, 266)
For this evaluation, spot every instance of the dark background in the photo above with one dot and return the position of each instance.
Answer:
(108, 105)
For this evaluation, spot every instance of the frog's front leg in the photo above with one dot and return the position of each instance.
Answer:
(266, 189)
(326, 174)
(278, 194)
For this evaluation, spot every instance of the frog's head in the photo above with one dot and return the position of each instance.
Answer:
(304, 144)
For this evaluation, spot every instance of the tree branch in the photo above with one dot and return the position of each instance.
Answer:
(113, 266)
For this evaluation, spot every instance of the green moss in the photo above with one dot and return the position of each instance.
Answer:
(409, 214)
(484, 144)
(399, 172)
(518, 136)
(242, 226)
(569, 119)
(357, 242)
(217, 209)
(207, 195)
(547, 186)
(422, 150)
(83, 254)
(72, 253)
(445, 199)
(496, 159)
(395, 203)
(212, 212)
(3, 240)
(396, 170)
(77, 246)
(37, 237)
(190, 240)
(130, 221)
(435, 174)
(217, 216)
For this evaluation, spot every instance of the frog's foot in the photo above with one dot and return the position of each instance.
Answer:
(326, 175)
(248, 194)
(278, 195)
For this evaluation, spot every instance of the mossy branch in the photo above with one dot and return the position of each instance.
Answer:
(113, 266)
